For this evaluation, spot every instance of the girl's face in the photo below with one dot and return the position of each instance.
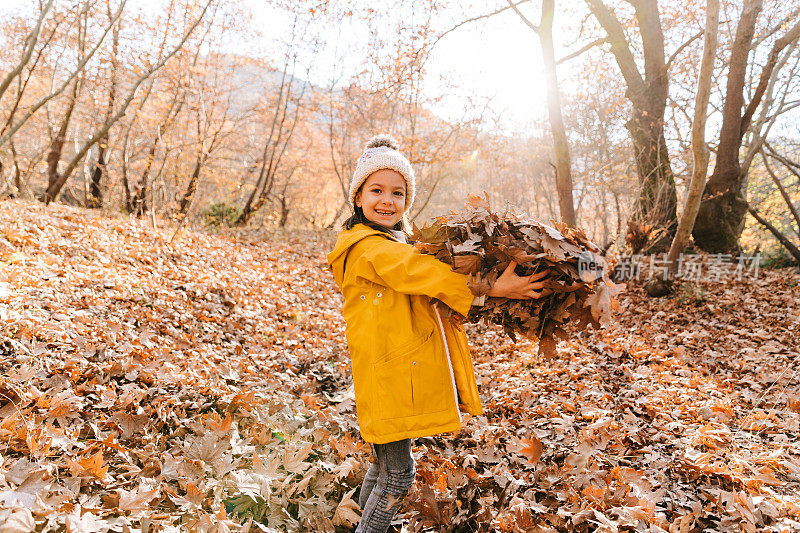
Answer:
(383, 197)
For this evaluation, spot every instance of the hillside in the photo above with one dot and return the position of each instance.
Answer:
(201, 382)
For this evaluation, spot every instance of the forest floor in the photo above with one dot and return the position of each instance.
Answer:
(200, 381)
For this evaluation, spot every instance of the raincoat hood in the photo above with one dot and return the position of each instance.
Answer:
(346, 239)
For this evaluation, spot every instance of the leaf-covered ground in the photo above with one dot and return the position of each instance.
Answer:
(152, 383)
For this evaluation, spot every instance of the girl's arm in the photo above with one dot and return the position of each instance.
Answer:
(405, 269)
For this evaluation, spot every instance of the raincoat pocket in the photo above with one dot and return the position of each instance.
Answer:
(412, 381)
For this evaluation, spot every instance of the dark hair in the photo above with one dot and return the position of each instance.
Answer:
(358, 217)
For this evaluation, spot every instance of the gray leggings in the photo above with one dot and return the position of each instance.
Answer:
(385, 485)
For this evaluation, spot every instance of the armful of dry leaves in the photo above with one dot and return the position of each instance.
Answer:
(481, 243)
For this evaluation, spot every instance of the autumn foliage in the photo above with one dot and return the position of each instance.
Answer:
(202, 383)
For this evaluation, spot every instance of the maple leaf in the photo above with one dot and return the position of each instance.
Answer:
(466, 264)
(17, 521)
(602, 301)
(91, 466)
(85, 522)
(346, 467)
(530, 448)
(294, 461)
(137, 499)
(346, 513)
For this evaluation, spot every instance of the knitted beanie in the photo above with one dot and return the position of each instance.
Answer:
(381, 152)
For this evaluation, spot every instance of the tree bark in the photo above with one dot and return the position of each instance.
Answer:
(95, 200)
(56, 147)
(191, 187)
(284, 212)
(699, 149)
(96, 192)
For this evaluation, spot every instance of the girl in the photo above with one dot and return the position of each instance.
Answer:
(412, 371)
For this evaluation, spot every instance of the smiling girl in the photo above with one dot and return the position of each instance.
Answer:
(412, 370)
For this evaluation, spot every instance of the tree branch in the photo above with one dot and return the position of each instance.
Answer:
(27, 51)
(782, 190)
(53, 190)
(582, 50)
(619, 46)
(788, 38)
(78, 69)
(473, 19)
(682, 47)
(776, 232)
(525, 19)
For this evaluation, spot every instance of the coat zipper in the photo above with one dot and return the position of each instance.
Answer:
(449, 362)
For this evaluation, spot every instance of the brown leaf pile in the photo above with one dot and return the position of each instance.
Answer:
(482, 243)
(202, 384)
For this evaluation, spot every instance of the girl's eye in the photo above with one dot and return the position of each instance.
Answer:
(398, 193)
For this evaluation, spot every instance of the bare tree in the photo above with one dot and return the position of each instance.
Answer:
(563, 169)
(721, 217)
(647, 92)
(283, 121)
(74, 73)
(28, 47)
(54, 187)
(699, 148)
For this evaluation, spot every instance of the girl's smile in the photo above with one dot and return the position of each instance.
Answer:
(382, 198)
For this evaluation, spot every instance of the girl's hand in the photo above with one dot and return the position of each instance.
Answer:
(509, 285)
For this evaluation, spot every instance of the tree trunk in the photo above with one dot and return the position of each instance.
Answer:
(338, 213)
(22, 189)
(190, 188)
(657, 203)
(95, 192)
(139, 200)
(563, 171)
(699, 149)
(720, 219)
(284, 212)
(57, 143)
(124, 164)
(254, 202)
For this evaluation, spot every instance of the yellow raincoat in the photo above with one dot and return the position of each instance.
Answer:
(411, 366)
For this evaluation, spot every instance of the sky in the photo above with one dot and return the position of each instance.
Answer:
(498, 58)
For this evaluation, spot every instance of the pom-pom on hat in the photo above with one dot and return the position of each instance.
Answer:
(381, 152)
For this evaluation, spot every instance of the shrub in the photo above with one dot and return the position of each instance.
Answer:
(221, 213)
(777, 257)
